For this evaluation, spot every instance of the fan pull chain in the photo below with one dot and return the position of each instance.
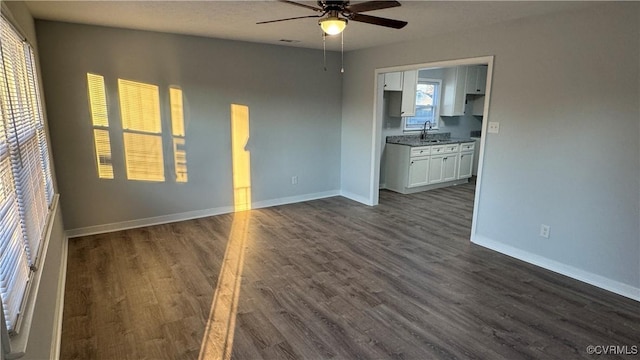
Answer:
(324, 50)
(342, 54)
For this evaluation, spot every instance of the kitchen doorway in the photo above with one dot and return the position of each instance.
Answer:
(457, 106)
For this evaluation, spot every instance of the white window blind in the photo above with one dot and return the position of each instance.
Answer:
(26, 186)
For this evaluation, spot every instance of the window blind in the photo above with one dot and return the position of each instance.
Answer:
(26, 185)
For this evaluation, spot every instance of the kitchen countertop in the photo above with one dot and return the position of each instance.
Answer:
(432, 139)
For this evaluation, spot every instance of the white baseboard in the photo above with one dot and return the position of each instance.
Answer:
(156, 220)
(560, 268)
(189, 215)
(355, 197)
(294, 199)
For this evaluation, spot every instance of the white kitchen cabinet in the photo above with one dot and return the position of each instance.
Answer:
(410, 169)
(442, 168)
(393, 81)
(453, 95)
(467, 146)
(442, 165)
(476, 156)
(406, 167)
(404, 103)
(449, 167)
(476, 79)
(465, 165)
(465, 160)
(435, 169)
(418, 172)
(409, 89)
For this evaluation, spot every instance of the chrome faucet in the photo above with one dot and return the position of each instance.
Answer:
(423, 134)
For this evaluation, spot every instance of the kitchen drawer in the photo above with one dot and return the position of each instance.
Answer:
(467, 146)
(420, 151)
(445, 149)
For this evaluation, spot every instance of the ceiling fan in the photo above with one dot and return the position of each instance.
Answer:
(334, 14)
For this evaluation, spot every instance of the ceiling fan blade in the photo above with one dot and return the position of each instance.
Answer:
(302, 5)
(396, 24)
(371, 5)
(293, 18)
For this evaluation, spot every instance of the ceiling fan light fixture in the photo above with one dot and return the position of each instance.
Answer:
(332, 25)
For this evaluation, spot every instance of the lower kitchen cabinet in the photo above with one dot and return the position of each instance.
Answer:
(465, 165)
(442, 168)
(412, 169)
(418, 172)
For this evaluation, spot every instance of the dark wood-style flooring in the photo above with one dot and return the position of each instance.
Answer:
(329, 279)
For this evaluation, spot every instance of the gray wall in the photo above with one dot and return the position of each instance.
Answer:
(294, 106)
(43, 331)
(566, 94)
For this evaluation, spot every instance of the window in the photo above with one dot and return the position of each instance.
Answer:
(26, 186)
(427, 105)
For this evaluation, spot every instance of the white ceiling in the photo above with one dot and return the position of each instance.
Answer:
(236, 20)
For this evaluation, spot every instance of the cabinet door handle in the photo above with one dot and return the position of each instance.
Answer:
(412, 163)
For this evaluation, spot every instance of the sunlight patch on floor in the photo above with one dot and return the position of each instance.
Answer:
(217, 342)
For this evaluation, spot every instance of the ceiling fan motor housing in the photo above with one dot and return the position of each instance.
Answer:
(331, 5)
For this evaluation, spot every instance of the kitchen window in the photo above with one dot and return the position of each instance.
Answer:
(427, 105)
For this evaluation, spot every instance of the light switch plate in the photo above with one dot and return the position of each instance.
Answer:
(494, 127)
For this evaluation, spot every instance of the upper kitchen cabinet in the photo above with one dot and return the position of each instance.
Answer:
(476, 82)
(404, 103)
(453, 95)
(393, 81)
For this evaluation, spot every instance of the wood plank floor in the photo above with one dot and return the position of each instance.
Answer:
(330, 279)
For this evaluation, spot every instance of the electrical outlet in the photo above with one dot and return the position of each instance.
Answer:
(494, 127)
(294, 180)
(544, 230)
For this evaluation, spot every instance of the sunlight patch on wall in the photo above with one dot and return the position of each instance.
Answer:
(140, 115)
(177, 130)
(144, 157)
(100, 121)
(141, 125)
(241, 157)
(217, 342)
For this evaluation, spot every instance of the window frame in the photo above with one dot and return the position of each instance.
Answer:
(24, 143)
(436, 115)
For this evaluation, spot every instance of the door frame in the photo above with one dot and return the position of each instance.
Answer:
(376, 136)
